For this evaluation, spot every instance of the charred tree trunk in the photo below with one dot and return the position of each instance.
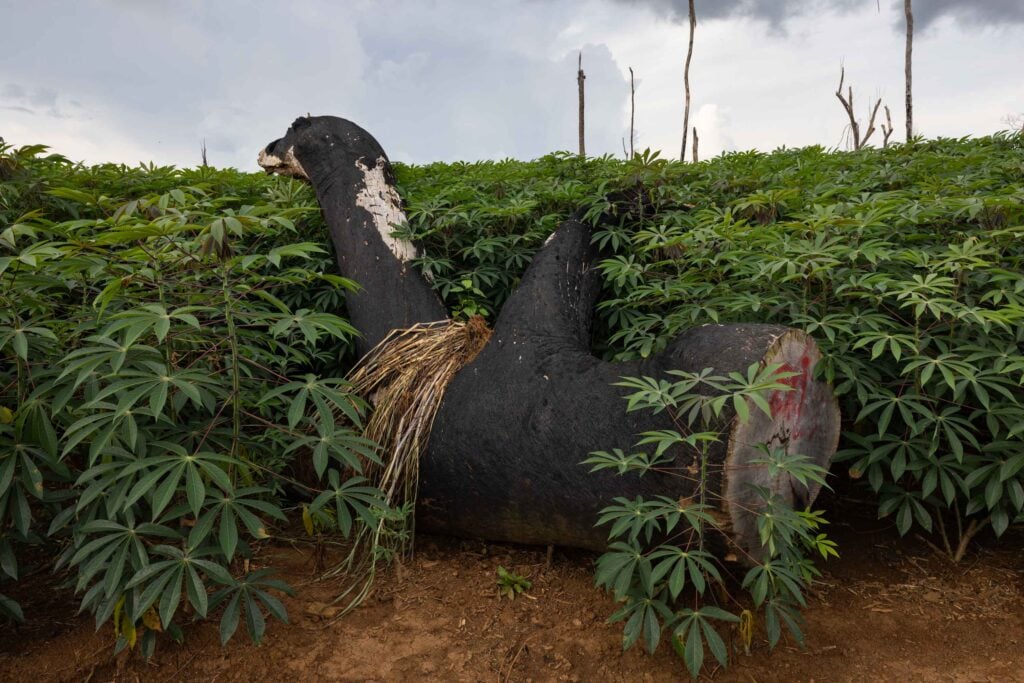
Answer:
(503, 459)
(356, 190)
(505, 452)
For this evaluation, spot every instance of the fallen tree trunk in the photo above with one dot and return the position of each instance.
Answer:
(503, 460)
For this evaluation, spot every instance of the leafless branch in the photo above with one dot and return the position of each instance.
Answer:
(1014, 121)
(871, 121)
(847, 102)
(887, 127)
(848, 107)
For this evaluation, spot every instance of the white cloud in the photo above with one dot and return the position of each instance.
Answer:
(452, 80)
(714, 127)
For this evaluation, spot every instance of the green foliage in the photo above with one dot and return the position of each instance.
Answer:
(166, 350)
(150, 312)
(653, 580)
(904, 263)
(511, 584)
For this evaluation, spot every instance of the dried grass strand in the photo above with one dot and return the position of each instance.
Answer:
(404, 379)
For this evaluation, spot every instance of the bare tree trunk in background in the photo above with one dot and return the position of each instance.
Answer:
(1014, 121)
(632, 113)
(580, 76)
(847, 102)
(886, 127)
(696, 141)
(909, 13)
(686, 82)
(203, 150)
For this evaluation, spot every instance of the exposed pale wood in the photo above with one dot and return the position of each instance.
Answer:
(804, 421)
(847, 102)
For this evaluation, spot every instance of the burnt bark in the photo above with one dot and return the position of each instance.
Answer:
(503, 460)
(354, 185)
(504, 456)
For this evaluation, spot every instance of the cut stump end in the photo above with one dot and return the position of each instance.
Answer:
(805, 420)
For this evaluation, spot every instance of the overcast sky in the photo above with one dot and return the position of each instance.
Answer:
(148, 80)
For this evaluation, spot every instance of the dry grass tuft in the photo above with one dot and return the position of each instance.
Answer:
(404, 379)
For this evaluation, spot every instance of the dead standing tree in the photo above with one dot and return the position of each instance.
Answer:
(686, 82)
(632, 114)
(580, 77)
(847, 102)
(887, 127)
(908, 12)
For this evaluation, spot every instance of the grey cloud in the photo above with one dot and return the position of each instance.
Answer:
(32, 100)
(775, 12)
(979, 12)
(432, 81)
(13, 91)
(445, 93)
(43, 97)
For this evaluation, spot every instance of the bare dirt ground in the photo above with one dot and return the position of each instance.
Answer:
(887, 610)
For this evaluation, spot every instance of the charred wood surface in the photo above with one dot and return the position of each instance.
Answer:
(505, 452)
(504, 456)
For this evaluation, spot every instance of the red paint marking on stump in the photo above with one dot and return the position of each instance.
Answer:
(788, 405)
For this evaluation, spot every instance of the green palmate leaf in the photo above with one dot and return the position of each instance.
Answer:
(905, 270)
(10, 609)
(244, 597)
(254, 621)
(195, 490)
(229, 619)
(228, 534)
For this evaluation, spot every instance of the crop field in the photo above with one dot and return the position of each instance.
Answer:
(178, 443)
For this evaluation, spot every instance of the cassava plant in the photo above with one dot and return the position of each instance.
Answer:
(155, 385)
(659, 563)
(904, 263)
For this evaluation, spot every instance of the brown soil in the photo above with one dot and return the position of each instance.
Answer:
(888, 610)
